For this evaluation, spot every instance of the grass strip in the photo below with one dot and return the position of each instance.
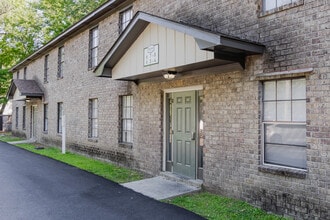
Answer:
(106, 170)
(5, 137)
(214, 207)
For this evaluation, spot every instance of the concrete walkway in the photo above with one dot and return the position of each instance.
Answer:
(161, 187)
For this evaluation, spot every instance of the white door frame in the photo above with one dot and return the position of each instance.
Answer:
(167, 91)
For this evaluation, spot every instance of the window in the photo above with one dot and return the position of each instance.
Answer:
(59, 117)
(16, 117)
(17, 75)
(93, 118)
(24, 118)
(127, 119)
(273, 4)
(93, 47)
(124, 19)
(24, 73)
(60, 62)
(45, 117)
(284, 122)
(46, 69)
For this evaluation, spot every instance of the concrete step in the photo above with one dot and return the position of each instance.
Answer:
(160, 187)
(182, 179)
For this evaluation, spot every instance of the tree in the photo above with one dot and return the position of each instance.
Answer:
(59, 15)
(25, 25)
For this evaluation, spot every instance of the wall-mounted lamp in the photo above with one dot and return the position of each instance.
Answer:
(169, 75)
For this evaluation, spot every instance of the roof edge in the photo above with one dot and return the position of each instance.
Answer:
(75, 27)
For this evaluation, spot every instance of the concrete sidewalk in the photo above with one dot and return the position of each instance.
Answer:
(163, 187)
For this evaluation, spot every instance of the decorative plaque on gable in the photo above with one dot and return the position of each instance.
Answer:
(151, 55)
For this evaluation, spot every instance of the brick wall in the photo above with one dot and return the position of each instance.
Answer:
(295, 38)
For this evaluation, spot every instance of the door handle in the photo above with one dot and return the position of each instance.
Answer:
(193, 136)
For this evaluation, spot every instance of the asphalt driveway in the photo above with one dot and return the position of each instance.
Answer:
(36, 187)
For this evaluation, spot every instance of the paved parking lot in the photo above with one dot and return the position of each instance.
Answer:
(36, 187)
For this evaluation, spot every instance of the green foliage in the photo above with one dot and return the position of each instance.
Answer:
(25, 25)
(6, 137)
(59, 15)
(5, 77)
(213, 206)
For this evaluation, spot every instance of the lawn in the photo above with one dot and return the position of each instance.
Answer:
(208, 205)
(214, 207)
(6, 137)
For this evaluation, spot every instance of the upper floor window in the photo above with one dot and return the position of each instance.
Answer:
(60, 62)
(124, 18)
(273, 4)
(24, 73)
(46, 69)
(284, 123)
(93, 47)
(93, 118)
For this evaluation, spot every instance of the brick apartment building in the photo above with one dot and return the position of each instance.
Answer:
(234, 94)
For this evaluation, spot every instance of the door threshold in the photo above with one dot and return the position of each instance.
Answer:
(182, 179)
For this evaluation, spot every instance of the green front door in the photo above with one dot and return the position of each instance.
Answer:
(184, 133)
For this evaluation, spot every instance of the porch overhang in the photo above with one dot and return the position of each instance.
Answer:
(27, 89)
(226, 50)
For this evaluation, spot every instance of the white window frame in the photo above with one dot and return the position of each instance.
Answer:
(125, 17)
(45, 127)
(59, 117)
(60, 65)
(46, 68)
(93, 118)
(93, 47)
(279, 122)
(277, 4)
(127, 110)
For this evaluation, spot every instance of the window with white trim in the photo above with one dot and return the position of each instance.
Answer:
(46, 67)
(284, 123)
(124, 18)
(127, 119)
(59, 117)
(93, 118)
(93, 47)
(60, 64)
(273, 4)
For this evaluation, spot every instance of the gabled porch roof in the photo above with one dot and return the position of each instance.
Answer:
(27, 88)
(227, 50)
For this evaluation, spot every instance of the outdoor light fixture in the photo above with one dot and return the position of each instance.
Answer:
(169, 75)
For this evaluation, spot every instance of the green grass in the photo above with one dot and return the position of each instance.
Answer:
(213, 206)
(6, 137)
(106, 170)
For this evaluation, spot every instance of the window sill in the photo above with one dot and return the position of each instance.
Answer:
(282, 171)
(45, 132)
(126, 145)
(93, 139)
(281, 8)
